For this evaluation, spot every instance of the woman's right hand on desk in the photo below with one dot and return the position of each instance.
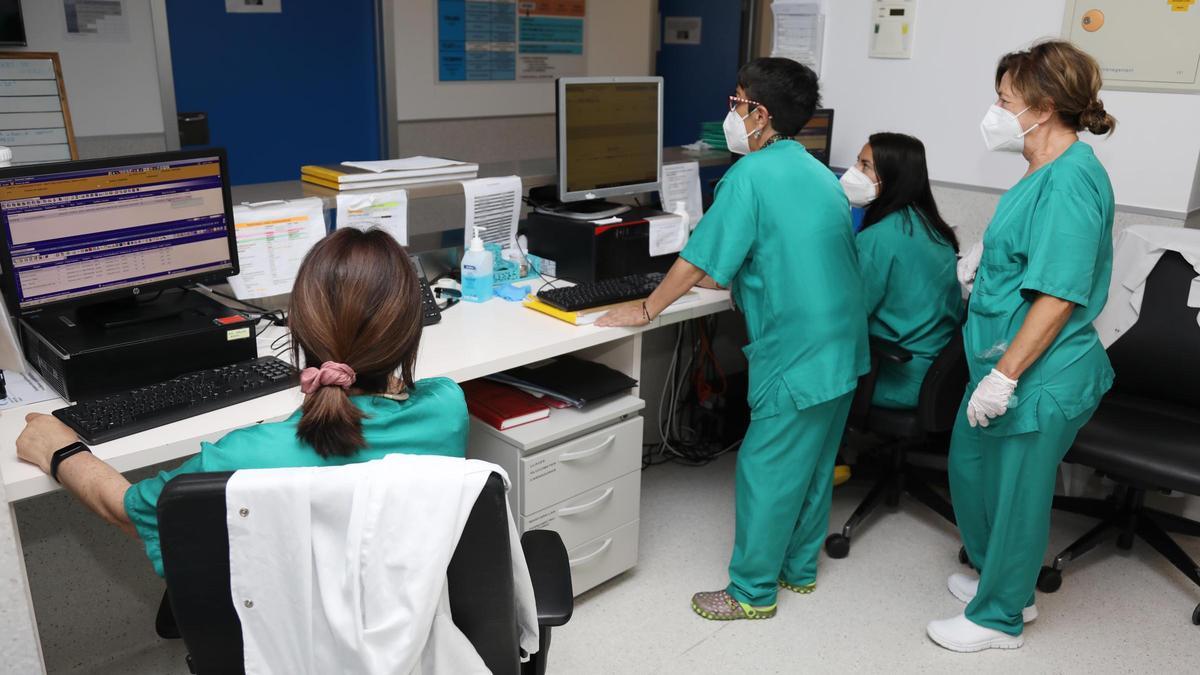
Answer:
(626, 315)
(42, 436)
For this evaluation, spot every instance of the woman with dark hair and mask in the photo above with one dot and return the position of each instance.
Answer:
(907, 256)
(779, 232)
(355, 318)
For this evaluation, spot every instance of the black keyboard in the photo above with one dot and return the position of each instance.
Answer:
(601, 293)
(128, 412)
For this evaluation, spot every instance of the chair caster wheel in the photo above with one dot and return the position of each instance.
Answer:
(1049, 580)
(837, 545)
(963, 558)
(1196, 616)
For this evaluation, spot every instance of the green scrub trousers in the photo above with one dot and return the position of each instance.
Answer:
(779, 234)
(784, 492)
(1051, 235)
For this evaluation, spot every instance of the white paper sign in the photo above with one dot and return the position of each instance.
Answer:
(387, 211)
(254, 6)
(668, 234)
(681, 30)
(799, 32)
(681, 183)
(272, 239)
(25, 388)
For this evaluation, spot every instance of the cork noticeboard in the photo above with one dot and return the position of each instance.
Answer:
(35, 121)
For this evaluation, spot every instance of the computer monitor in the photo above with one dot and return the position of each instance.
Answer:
(87, 231)
(609, 136)
(817, 135)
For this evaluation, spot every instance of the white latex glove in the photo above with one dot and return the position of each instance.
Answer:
(990, 399)
(968, 265)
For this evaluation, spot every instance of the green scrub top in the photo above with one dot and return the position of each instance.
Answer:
(432, 421)
(913, 299)
(1051, 234)
(779, 234)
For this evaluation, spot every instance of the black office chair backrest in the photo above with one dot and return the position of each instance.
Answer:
(195, 549)
(1159, 357)
(943, 387)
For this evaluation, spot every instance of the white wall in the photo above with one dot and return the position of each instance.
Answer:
(618, 38)
(112, 85)
(941, 94)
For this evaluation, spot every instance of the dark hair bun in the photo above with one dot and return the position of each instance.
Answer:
(1097, 120)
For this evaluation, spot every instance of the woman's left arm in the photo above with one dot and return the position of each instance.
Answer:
(1042, 325)
(99, 486)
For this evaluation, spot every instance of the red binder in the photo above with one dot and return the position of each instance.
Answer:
(502, 406)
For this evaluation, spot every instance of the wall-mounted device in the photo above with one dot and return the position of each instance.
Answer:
(893, 26)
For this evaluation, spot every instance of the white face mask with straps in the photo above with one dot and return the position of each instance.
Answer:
(859, 188)
(736, 136)
(1002, 130)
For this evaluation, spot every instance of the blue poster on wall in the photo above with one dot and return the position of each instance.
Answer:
(510, 40)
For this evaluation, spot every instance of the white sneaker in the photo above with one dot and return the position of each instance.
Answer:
(965, 587)
(960, 634)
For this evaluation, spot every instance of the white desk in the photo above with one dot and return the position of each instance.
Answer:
(471, 341)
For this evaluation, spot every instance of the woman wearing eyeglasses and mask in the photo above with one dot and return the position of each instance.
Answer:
(907, 255)
(1037, 367)
(779, 232)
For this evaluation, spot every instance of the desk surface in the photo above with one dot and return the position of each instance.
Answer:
(533, 173)
(458, 348)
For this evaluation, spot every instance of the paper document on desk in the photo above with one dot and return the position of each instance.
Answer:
(494, 203)
(272, 239)
(413, 164)
(668, 233)
(387, 211)
(681, 183)
(25, 388)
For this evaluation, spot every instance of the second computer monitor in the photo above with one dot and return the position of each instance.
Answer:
(609, 136)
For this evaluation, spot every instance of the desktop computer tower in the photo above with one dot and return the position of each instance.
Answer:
(584, 252)
(83, 359)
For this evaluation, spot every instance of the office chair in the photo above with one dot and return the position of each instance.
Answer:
(924, 428)
(1145, 436)
(198, 607)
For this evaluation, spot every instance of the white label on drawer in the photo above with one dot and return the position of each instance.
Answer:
(540, 468)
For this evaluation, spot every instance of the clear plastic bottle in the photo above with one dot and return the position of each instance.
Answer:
(477, 271)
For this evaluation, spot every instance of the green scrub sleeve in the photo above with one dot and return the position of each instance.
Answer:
(875, 271)
(723, 237)
(1064, 246)
(141, 505)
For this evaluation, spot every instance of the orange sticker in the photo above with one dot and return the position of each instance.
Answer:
(1093, 20)
(1181, 5)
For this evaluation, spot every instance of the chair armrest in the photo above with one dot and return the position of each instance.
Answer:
(889, 351)
(551, 575)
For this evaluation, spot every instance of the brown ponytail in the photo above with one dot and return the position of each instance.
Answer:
(356, 301)
(1056, 74)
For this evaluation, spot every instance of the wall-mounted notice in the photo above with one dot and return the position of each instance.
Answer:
(510, 40)
(34, 119)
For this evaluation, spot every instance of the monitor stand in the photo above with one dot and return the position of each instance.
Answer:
(132, 311)
(589, 210)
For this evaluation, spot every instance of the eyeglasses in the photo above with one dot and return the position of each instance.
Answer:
(735, 100)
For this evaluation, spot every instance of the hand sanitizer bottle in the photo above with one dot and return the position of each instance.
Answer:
(477, 271)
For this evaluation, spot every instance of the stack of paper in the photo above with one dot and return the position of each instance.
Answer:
(387, 173)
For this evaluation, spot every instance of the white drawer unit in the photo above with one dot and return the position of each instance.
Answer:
(573, 467)
(592, 513)
(604, 557)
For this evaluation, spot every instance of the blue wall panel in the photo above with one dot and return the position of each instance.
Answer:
(280, 90)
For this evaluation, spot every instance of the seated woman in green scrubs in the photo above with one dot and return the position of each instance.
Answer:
(907, 254)
(355, 315)
(779, 231)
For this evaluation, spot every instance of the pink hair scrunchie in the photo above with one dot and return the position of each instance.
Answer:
(330, 374)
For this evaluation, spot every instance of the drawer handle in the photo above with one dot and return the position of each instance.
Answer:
(572, 510)
(582, 454)
(591, 556)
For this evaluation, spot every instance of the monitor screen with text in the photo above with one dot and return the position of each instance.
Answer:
(611, 135)
(79, 233)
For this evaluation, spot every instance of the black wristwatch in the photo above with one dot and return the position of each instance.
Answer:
(62, 454)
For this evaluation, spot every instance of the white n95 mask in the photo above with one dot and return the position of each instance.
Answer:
(735, 133)
(1002, 130)
(859, 188)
